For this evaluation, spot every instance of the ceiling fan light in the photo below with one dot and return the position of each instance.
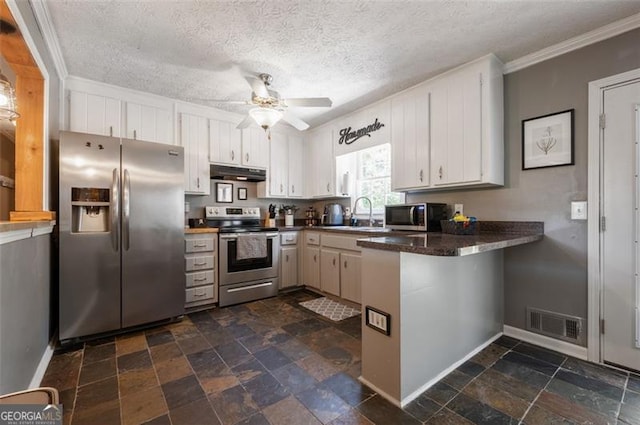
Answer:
(8, 107)
(265, 117)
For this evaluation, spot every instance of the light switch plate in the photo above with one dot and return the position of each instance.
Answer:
(579, 210)
(378, 320)
(458, 208)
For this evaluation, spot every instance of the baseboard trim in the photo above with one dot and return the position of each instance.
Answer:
(408, 399)
(44, 364)
(547, 342)
(402, 403)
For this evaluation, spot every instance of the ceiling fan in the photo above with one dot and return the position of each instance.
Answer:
(271, 108)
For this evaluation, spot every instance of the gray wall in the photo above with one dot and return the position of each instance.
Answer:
(24, 310)
(551, 274)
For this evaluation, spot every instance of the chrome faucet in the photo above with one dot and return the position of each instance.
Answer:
(355, 207)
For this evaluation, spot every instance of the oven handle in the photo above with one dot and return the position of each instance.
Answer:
(235, 236)
(244, 288)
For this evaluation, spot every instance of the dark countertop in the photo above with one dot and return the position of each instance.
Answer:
(496, 235)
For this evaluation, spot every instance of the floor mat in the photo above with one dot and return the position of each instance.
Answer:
(330, 309)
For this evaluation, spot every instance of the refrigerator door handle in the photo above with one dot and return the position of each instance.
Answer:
(115, 209)
(126, 206)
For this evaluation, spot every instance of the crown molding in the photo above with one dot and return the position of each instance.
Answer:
(43, 17)
(591, 37)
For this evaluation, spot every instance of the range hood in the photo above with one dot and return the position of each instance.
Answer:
(224, 172)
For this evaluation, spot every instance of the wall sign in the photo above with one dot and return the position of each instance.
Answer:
(348, 136)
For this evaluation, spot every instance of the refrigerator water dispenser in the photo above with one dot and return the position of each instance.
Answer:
(90, 210)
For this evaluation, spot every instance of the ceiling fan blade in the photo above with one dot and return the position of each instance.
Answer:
(229, 102)
(258, 87)
(324, 102)
(245, 123)
(294, 121)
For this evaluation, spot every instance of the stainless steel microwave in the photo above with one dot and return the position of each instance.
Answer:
(421, 217)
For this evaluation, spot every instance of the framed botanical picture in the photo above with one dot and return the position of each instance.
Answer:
(547, 141)
(242, 194)
(224, 193)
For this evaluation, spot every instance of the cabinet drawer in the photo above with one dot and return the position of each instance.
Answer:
(200, 293)
(341, 242)
(198, 262)
(199, 278)
(289, 238)
(312, 238)
(198, 245)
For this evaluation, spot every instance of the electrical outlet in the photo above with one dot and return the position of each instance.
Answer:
(578, 210)
(458, 208)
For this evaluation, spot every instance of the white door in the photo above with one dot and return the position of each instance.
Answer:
(620, 199)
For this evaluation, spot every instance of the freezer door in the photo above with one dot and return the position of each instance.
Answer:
(153, 280)
(89, 254)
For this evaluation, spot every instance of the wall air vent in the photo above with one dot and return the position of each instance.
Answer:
(556, 325)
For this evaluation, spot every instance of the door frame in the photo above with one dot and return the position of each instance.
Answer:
(594, 208)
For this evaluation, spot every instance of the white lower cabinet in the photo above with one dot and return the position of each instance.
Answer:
(330, 271)
(289, 260)
(201, 286)
(332, 264)
(311, 262)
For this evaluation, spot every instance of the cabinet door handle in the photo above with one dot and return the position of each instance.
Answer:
(440, 172)
(421, 175)
(135, 135)
(111, 130)
(286, 258)
(200, 264)
(200, 295)
(345, 264)
(334, 261)
(233, 155)
(281, 188)
(328, 187)
(199, 245)
(200, 279)
(198, 182)
(314, 258)
(246, 157)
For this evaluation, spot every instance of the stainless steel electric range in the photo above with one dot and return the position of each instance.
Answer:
(244, 279)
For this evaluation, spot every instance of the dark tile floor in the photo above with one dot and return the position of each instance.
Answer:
(273, 362)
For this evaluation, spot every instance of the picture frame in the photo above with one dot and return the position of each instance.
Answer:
(548, 140)
(224, 193)
(242, 194)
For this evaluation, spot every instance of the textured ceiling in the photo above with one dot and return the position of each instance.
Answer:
(355, 52)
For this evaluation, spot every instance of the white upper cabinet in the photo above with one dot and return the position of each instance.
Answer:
(194, 138)
(94, 114)
(255, 148)
(296, 170)
(467, 146)
(148, 123)
(410, 139)
(225, 143)
(278, 165)
(320, 163)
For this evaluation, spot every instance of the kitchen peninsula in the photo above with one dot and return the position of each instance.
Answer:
(438, 298)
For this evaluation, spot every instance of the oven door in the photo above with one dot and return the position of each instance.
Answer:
(233, 270)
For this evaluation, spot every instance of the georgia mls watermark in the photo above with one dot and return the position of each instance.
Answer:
(30, 414)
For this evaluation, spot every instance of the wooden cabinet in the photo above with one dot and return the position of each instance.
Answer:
(201, 287)
(194, 139)
(225, 143)
(467, 126)
(289, 273)
(410, 139)
(330, 271)
(311, 262)
(94, 114)
(255, 148)
(148, 123)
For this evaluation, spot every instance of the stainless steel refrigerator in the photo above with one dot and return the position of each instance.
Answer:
(121, 225)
